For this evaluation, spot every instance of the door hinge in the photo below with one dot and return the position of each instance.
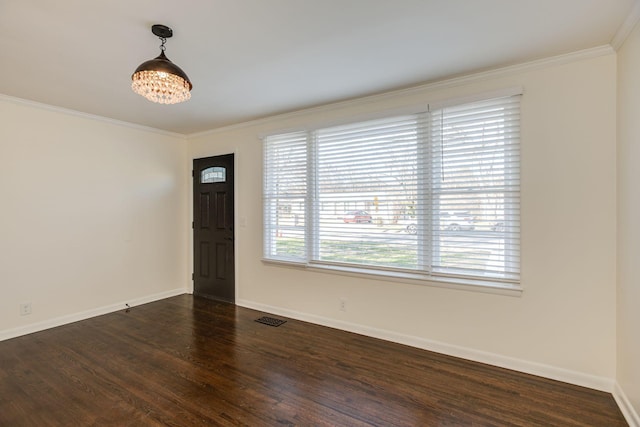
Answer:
(193, 276)
(193, 224)
(193, 174)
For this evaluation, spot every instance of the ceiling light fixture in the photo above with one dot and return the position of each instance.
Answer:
(160, 80)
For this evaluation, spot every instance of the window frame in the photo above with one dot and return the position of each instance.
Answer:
(425, 234)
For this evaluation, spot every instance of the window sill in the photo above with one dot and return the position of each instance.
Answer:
(474, 285)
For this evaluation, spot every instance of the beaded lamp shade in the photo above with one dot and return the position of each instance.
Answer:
(160, 80)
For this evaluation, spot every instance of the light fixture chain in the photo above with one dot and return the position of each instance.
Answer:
(163, 40)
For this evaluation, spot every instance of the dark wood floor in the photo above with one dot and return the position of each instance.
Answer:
(189, 361)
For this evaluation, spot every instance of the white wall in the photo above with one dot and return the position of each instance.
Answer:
(92, 213)
(628, 367)
(563, 326)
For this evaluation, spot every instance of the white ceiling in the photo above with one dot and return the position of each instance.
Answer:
(254, 58)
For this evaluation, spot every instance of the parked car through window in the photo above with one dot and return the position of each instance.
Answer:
(357, 217)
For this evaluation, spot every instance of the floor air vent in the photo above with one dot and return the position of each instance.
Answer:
(270, 321)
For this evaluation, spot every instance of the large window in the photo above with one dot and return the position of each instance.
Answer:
(433, 194)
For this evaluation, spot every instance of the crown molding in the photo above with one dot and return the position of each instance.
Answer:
(76, 113)
(430, 86)
(440, 84)
(627, 27)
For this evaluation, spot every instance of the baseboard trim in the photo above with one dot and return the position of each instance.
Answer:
(630, 414)
(525, 366)
(63, 320)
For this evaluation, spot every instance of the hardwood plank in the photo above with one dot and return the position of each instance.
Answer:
(190, 361)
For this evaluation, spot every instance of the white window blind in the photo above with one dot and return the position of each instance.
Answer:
(434, 193)
(367, 183)
(476, 189)
(285, 196)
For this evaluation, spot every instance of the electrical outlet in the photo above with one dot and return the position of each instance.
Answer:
(25, 309)
(343, 304)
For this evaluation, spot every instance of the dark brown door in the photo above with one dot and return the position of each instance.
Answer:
(213, 269)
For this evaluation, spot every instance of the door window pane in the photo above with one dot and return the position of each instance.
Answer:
(213, 174)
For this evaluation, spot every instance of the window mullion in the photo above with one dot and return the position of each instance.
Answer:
(269, 243)
(311, 200)
(512, 213)
(424, 196)
(435, 185)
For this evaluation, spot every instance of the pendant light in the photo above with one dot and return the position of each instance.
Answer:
(160, 80)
